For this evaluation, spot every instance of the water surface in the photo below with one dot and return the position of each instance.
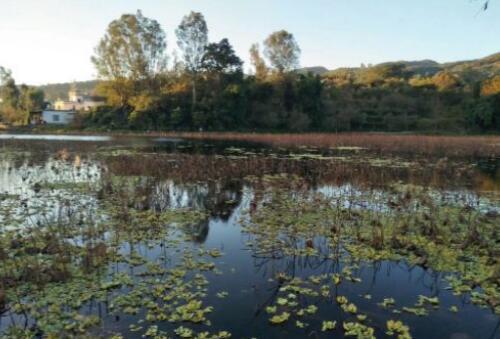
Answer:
(166, 210)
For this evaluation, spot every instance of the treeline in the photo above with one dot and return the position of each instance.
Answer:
(205, 87)
(16, 102)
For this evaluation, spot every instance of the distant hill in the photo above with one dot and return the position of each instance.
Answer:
(60, 91)
(473, 70)
(316, 70)
(422, 67)
(468, 70)
(477, 69)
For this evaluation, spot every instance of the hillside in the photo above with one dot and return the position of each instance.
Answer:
(422, 67)
(478, 69)
(316, 70)
(468, 70)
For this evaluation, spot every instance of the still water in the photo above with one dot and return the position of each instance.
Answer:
(136, 231)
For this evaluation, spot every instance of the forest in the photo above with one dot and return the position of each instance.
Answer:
(206, 87)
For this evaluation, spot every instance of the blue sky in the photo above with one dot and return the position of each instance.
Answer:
(47, 41)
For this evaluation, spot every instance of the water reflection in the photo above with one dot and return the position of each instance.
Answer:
(54, 137)
(69, 185)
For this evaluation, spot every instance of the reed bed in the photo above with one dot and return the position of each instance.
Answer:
(420, 144)
(439, 145)
(195, 167)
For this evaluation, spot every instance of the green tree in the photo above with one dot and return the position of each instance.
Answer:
(9, 93)
(130, 56)
(219, 106)
(10, 97)
(192, 39)
(485, 113)
(282, 51)
(31, 99)
(309, 90)
(220, 58)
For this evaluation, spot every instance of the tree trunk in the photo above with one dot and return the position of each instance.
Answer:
(193, 104)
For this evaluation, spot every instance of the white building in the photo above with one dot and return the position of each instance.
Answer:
(55, 117)
(63, 112)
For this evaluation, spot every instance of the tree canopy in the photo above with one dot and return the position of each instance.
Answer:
(18, 101)
(133, 47)
(220, 57)
(129, 57)
(192, 39)
(282, 51)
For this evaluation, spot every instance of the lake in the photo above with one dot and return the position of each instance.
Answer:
(133, 237)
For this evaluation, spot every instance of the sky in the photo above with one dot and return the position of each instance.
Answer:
(50, 41)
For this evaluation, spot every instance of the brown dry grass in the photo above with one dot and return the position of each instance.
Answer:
(189, 168)
(420, 144)
(443, 146)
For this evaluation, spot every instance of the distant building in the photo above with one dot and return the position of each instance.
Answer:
(52, 117)
(58, 117)
(63, 112)
(78, 102)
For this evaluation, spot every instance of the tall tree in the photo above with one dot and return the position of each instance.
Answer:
(282, 51)
(31, 99)
(192, 38)
(9, 93)
(220, 57)
(132, 51)
(17, 101)
(258, 62)
(222, 87)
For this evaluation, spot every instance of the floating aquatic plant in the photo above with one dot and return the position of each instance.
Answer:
(328, 325)
(279, 319)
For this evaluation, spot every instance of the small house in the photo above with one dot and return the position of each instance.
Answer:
(63, 112)
(58, 117)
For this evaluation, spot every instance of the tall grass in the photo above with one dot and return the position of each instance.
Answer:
(421, 144)
(439, 145)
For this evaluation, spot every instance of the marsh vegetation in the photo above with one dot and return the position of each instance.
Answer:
(163, 237)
